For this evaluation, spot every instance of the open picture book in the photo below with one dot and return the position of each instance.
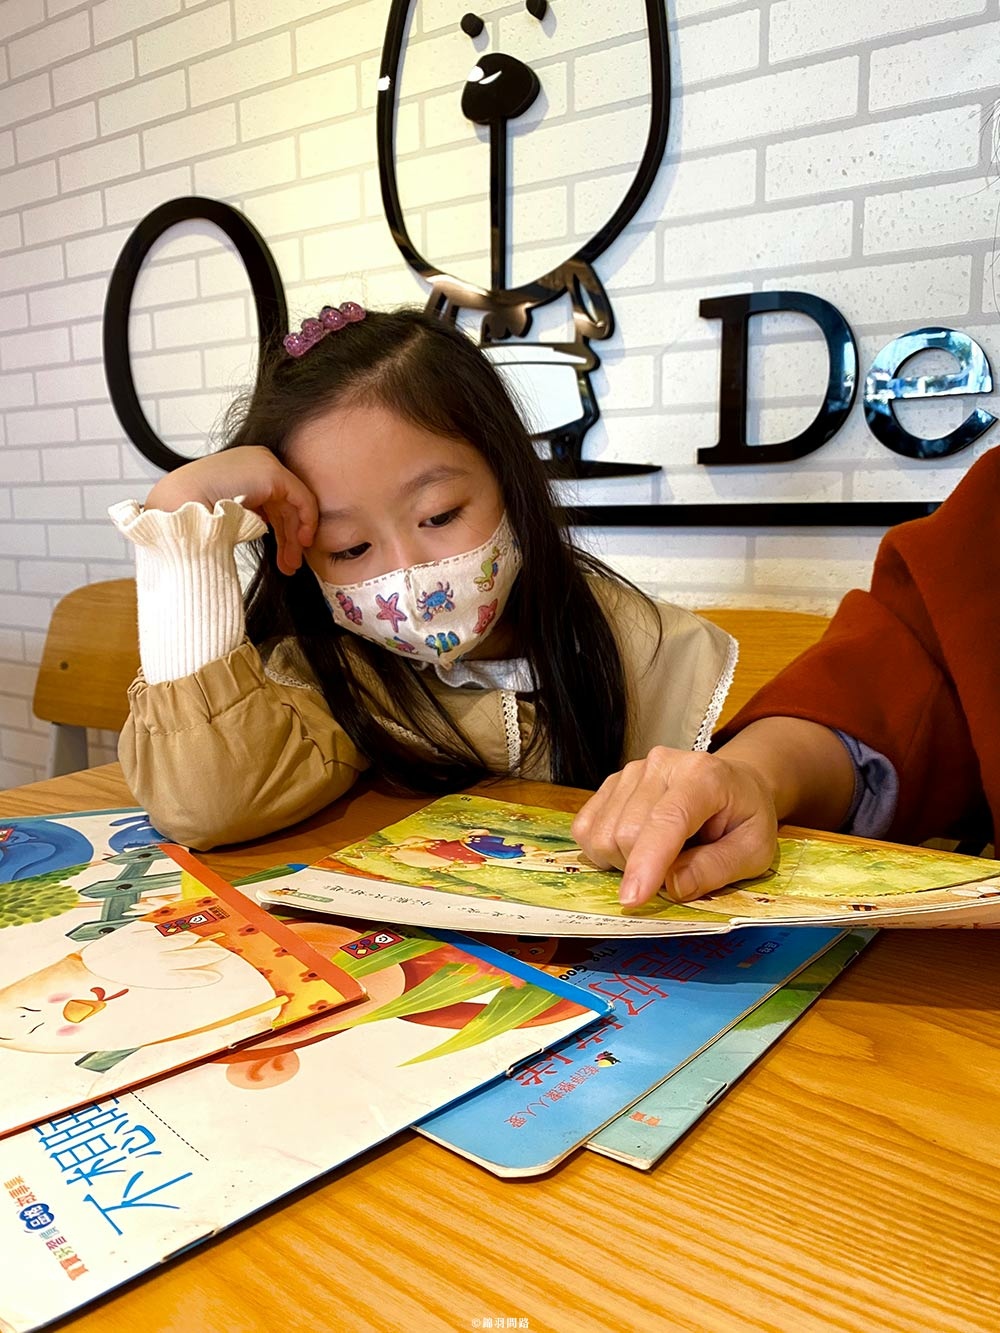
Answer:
(474, 864)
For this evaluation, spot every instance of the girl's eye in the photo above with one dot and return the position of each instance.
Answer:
(442, 520)
(352, 552)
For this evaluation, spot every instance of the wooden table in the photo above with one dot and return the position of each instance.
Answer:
(850, 1182)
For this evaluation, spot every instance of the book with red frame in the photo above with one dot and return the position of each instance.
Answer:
(137, 965)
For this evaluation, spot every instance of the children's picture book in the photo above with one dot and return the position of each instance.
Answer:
(135, 966)
(641, 1136)
(671, 998)
(474, 864)
(94, 1197)
(33, 845)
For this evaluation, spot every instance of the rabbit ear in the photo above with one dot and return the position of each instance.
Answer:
(656, 136)
(423, 169)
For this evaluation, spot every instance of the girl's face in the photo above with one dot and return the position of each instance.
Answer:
(390, 494)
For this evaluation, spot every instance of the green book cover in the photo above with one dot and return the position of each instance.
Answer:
(642, 1135)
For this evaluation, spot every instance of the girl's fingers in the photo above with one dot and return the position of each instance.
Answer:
(301, 498)
(284, 522)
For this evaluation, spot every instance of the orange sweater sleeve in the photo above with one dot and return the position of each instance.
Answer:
(912, 666)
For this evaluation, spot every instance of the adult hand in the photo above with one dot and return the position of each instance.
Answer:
(643, 817)
(262, 484)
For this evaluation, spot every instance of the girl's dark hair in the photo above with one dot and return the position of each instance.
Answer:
(434, 376)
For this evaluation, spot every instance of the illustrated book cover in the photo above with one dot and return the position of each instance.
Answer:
(101, 1194)
(135, 966)
(671, 996)
(641, 1136)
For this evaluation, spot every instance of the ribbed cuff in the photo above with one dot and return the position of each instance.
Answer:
(190, 601)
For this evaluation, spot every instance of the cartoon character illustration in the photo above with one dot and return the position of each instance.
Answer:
(443, 643)
(133, 987)
(438, 599)
(352, 612)
(133, 831)
(490, 567)
(503, 92)
(399, 644)
(605, 1060)
(388, 609)
(38, 846)
(481, 847)
(34, 846)
(539, 950)
(486, 615)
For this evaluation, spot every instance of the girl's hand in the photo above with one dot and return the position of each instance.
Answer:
(262, 483)
(642, 818)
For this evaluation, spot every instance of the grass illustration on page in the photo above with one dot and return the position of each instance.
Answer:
(514, 854)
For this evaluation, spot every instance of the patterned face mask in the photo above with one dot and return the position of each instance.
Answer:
(434, 612)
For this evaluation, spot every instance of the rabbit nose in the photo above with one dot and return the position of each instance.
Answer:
(499, 87)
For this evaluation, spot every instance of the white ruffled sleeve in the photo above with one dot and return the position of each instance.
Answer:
(190, 601)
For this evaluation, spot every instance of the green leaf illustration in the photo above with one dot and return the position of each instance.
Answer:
(455, 983)
(402, 952)
(506, 1011)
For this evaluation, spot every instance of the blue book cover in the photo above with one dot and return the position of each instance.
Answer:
(672, 997)
(645, 1133)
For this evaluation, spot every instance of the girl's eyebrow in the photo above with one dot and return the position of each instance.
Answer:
(442, 472)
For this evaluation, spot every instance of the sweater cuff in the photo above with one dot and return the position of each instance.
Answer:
(189, 595)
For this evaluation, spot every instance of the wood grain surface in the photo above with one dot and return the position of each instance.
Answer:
(90, 658)
(849, 1182)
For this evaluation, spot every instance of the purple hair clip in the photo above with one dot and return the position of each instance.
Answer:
(331, 318)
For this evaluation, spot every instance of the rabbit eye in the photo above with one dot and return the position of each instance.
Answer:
(472, 25)
(536, 8)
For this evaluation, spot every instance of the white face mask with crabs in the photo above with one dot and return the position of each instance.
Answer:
(435, 612)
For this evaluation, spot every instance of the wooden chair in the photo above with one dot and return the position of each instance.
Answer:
(90, 658)
(768, 641)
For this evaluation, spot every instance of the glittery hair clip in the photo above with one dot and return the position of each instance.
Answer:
(331, 318)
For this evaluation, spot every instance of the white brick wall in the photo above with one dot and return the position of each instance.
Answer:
(847, 150)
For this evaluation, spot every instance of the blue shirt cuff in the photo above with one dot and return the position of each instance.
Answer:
(876, 790)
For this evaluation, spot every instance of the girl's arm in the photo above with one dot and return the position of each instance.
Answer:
(214, 748)
(230, 753)
(255, 477)
(189, 597)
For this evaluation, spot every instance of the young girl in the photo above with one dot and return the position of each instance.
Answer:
(416, 608)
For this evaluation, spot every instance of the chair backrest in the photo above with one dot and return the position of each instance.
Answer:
(90, 658)
(768, 641)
